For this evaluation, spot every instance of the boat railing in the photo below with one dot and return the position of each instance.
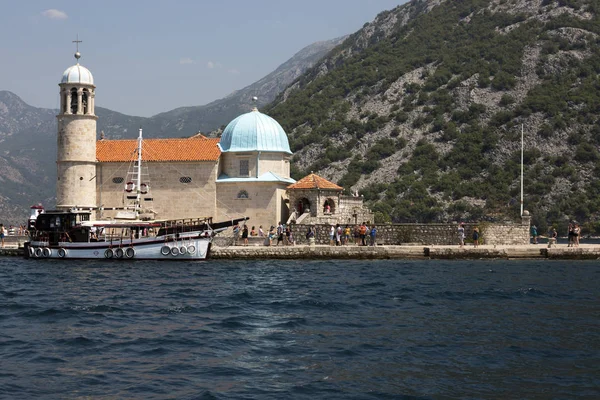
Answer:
(188, 222)
(181, 226)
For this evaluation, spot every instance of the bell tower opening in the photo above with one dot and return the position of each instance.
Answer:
(73, 100)
(85, 101)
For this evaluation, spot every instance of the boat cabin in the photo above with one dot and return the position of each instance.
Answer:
(61, 226)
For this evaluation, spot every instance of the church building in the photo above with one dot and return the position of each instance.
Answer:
(243, 173)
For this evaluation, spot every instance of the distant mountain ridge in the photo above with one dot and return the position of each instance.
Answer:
(28, 134)
(189, 120)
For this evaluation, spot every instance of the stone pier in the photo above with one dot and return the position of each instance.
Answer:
(404, 252)
(324, 252)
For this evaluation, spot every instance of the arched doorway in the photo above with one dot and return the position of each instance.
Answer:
(302, 206)
(329, 206)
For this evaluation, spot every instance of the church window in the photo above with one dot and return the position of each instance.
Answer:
(185, 179)
(118, 179)
(244, 168)
(242, 194)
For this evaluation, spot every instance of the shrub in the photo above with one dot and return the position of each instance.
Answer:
(506, 100)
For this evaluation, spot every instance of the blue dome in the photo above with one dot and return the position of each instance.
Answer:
(254, 131)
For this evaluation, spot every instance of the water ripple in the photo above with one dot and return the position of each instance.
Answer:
(299, 329)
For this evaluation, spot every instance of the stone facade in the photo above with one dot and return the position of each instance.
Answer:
(265, 204)
(258, 164)
(76, 148)
(177, 189)
(316, 206)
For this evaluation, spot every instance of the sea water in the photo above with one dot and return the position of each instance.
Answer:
(299, 329)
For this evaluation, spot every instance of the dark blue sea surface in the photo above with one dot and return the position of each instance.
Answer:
(299, 329)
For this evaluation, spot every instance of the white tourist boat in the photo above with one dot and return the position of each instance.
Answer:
(72, 234)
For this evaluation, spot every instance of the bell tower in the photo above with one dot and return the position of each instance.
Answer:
(76, 141)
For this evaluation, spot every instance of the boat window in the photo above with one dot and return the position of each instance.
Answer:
(118, 179)
(185, 179)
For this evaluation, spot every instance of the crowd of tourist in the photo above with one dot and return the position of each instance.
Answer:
(280, 234)
(366, 235)
(359, 235)
(11, 231)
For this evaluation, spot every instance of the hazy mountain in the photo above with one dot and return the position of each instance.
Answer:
(189, 120)
(421, 111)
(28, 134)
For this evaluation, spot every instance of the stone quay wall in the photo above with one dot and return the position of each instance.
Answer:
(428, 234)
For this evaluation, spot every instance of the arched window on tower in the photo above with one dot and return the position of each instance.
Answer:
(85, 100)
(73, 101)
(63, 99)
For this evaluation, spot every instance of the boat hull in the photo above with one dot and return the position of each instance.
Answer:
(188, 249)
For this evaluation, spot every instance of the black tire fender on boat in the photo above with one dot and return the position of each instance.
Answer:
(38, 252)
(47, 252)
(108, 253)
(62, 253)
(175, 251)
(191, 249)
(31, 252)
(129, 252)
(165, 250)
(183, 250)
(119, 253)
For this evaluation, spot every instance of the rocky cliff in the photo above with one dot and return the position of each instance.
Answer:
(422, 111)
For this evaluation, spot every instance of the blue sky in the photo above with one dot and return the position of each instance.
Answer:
(152, 56)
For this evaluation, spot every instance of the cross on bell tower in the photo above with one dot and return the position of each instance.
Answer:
(77, 53)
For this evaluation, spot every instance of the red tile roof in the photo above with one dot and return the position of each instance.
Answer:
(314, 181)
(197, 148)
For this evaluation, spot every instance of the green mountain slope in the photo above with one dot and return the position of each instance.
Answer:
(421, 111)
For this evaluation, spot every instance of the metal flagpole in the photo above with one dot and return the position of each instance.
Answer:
(521, 169)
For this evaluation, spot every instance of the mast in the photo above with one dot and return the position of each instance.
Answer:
(138, 178)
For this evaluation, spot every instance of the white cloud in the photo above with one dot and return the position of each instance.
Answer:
(186, 60)
(213, 64)
(234, 71)
(55, 14)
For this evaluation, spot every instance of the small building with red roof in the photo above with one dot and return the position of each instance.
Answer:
(315, 200)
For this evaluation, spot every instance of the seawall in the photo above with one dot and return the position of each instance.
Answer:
(404, 252)
(324, 252)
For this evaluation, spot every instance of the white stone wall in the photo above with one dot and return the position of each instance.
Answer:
(76, 185)
(264, 206)
(277, 163)
(76, 161)
(171, 198)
